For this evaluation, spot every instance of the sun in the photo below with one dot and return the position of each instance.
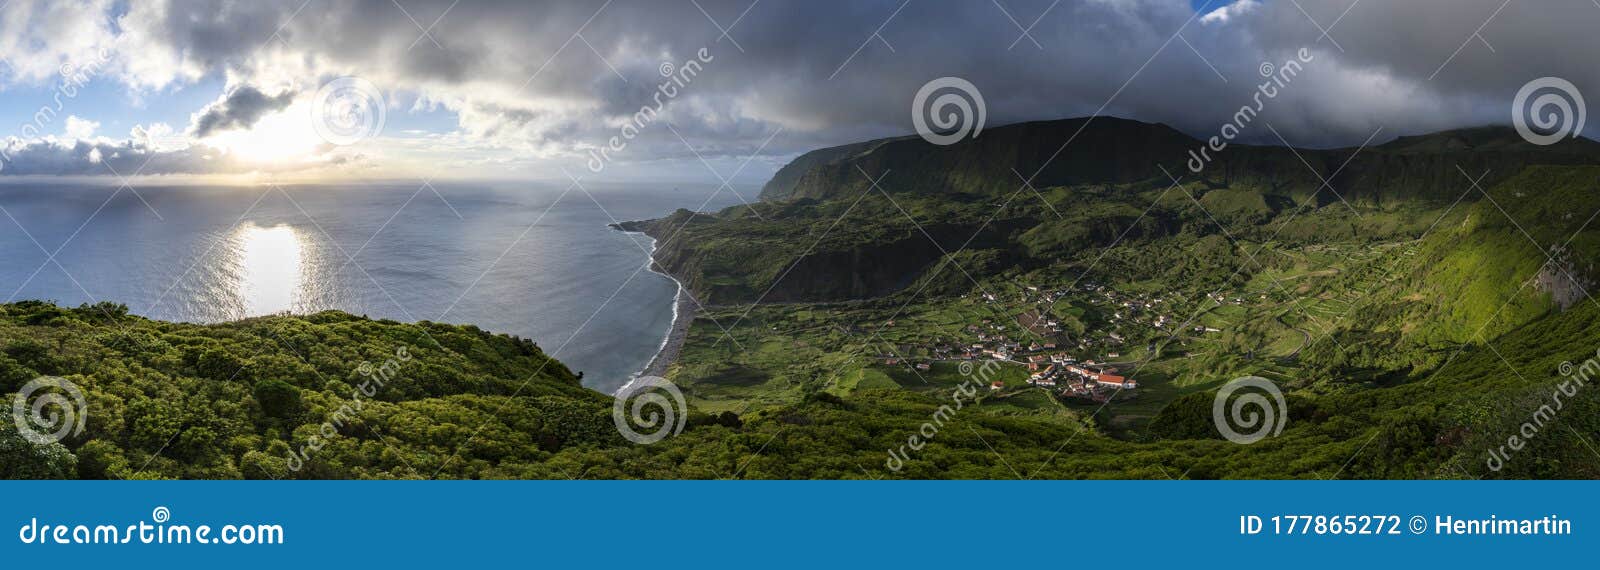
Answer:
(287, 136)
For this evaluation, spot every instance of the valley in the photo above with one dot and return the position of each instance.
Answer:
(1368, 285)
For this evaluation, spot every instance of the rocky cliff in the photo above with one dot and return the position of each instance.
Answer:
(1111, 150)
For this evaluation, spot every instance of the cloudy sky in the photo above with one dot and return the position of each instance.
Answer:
(331, 89)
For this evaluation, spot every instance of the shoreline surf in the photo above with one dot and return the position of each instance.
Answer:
(684, 310)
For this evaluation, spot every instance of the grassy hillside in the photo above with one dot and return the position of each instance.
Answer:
(1490, 267)
(155, 412)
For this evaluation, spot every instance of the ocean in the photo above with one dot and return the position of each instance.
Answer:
(534, 260)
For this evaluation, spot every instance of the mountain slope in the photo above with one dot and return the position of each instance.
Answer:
(783, 183)
(1108, 150)
(1105, 150)
(827, 234)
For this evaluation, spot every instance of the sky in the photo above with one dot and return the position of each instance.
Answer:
(481, 89)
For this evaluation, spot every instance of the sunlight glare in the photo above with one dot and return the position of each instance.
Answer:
(272, 271)
(282, 137)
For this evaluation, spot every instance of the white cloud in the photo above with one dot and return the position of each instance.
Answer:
(1224, 14)
(79, 128)
(159, 137)
(41, 38)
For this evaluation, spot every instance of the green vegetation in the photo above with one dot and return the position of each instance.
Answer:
(167, 400)
(1344, 301)
(1434, 425)
(1414, 324)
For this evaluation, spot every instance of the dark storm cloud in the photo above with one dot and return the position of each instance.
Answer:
(558, 76)
(836, 71)
(238, 109)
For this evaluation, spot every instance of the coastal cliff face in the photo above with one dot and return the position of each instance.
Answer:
(1108, 150)
(720, 266)
(1103, 151)
(787, 179)
(1430, 167)
(823, 233)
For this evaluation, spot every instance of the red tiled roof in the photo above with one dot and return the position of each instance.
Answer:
(1113, 379)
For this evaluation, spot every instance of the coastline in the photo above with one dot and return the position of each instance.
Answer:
(684, 308)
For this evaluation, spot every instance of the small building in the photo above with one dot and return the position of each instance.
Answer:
(1115, 381)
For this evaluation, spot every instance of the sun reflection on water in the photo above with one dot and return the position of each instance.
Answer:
(271, 268)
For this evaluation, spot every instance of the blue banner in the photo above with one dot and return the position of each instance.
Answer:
(795, 524)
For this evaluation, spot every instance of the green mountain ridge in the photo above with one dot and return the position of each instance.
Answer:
(832, 237)
(783, 182)
(1109, 150)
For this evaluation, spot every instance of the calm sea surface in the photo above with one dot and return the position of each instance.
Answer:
(514, 258)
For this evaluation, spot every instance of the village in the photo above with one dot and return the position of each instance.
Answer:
(1035, 339)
